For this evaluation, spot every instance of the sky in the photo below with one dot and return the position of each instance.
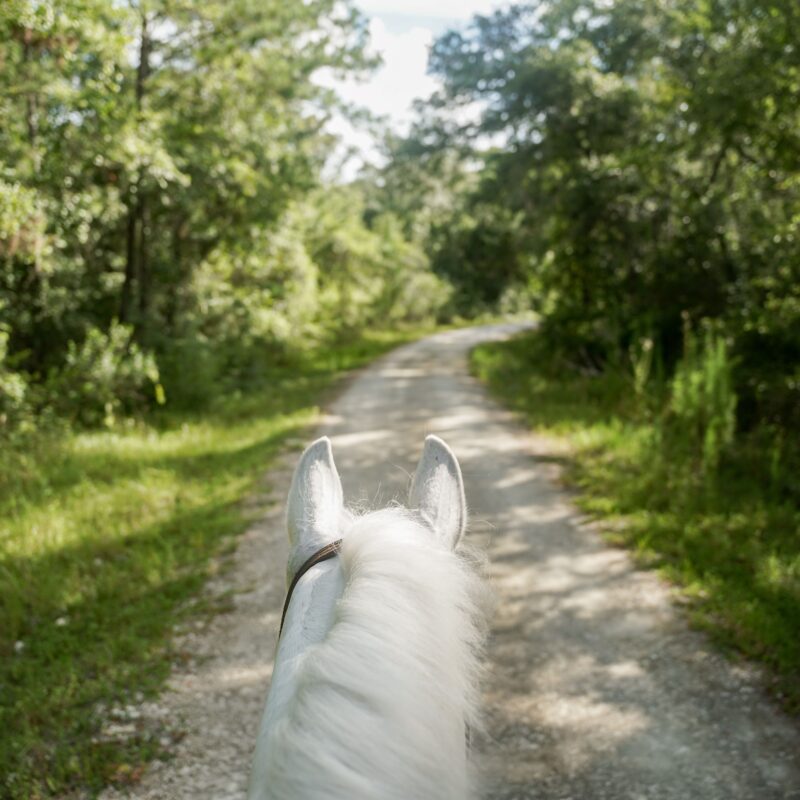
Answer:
(402, 32)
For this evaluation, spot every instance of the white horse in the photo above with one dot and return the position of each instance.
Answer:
(375, 679)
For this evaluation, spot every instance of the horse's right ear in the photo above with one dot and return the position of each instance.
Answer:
(314, 508)
(437, 490)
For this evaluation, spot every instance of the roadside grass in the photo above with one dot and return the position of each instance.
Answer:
(731, 543)
(105, 541)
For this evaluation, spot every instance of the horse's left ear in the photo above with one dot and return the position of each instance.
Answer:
(314, 508)
(437, 490)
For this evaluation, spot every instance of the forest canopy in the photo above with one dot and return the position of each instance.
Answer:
(631, 169)
(161, 202)
(181, 280)
(627, 169)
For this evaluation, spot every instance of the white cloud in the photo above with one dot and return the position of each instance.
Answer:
(388, 92)
(391, 89)
(402, 76)
(434, 9)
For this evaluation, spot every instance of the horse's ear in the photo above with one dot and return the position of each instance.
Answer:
(437, 490)
(314, 509)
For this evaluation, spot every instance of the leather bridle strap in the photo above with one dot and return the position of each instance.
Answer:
(323, 554)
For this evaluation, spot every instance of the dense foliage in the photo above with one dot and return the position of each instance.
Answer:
(159, 209)
(633, 168)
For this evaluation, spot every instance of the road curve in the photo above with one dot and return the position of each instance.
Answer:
(595, 689)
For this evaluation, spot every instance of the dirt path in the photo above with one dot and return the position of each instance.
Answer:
(596, 687)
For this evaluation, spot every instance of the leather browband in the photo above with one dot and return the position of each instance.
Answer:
(323, 554)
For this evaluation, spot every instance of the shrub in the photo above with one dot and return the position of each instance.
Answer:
(106, 375)
(192, 370)
(14, 406)
(21, 220)
(262, 293)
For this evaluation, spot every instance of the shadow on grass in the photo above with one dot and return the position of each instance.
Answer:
(118, 456)
(87, 624)
(111, 640)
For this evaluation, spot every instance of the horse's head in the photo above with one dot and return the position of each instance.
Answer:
(375, 674)
(315, 510)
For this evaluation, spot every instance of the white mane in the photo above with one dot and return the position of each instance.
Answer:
(375, 702)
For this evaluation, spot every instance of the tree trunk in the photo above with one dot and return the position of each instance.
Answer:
(176, 278)
(144, 268)
(131, 265)
(136, 266)
(32, 129)
(31, 100)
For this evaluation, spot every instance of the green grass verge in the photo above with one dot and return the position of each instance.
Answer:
(732, 543)
(105, 541)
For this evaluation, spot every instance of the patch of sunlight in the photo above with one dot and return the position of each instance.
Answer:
(233, 676)
(92, 511)
(775, 572)
(589, 721)
(111, 500)
(625, 669)
(351, 439)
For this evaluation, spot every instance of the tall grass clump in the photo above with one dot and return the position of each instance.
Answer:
(701, 414)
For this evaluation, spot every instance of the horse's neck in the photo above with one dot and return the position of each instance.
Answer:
(308, 620)
(371, 701)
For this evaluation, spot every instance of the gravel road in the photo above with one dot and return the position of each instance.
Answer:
(596, 688)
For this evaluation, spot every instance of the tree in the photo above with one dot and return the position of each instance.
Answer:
(140, 139)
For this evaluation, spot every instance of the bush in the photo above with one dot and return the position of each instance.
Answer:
(262, 293)
(409, 291)
(192, 370)
(14, 406)
(104, 376)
